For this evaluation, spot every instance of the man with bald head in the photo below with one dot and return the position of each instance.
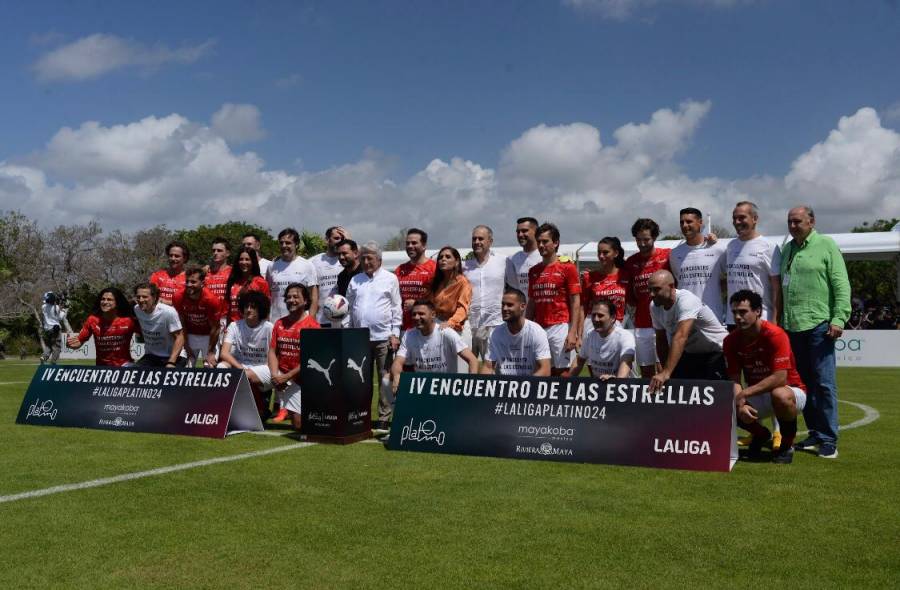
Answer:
(689, 335)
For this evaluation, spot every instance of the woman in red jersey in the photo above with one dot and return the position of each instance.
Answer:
(112, 325)
(244, 277)
(603, 284)
(284, 351)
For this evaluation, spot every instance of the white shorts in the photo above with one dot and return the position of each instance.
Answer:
(197, 346)
(763, 402)
(291, 397)
(645, 347)
(262, 373)
(556, 335)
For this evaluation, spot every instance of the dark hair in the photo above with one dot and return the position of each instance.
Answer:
(519, 295)
(610, 306)
(330, 230)
(179, 244)
(691, 211)
(422, 234)
(250, 235)
(195, 270)
(530, 220)
(289, 231)
(644, 223)
(617, 246)
(752, 297)
(303, 289)
(123, 308)
(347, 242)
(237, 275)
(154, 290)
(426, 302)
(549, 227)
(257, 300)
(223, 241)
(439, 275)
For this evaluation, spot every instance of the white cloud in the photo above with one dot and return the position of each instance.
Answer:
(623, 9)
(99, 54)
(238, 123)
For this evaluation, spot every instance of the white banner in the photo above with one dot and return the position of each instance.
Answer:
(88, 353)
(868, 348)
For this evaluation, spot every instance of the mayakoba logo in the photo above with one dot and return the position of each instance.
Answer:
(40, 409)
(554, 432)
(851, 345)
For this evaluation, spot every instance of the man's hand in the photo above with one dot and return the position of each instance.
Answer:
(571, 342)
(393, 342)
(606, 377)
(711, 238)
(747, 413)
(834, 332)
(658, 380)
(279, 382)
(73, 342)
(211, 360)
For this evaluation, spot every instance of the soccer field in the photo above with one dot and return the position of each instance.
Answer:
(321, 516)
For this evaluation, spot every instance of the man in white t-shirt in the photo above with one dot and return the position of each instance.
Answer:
(160, 328)
(52, 317)
(689, 335)
(428, 348)
(698, 264)
(486, 273)
(518, 265)
(291, 268)
(251, 240)
(518, 346)
(328, 267)
(608, 349)
(246, 346)
(753, 263)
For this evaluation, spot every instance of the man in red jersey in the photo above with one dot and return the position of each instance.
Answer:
(635, 277)
(112, 325)
(170, 280)
(284, 350)
(415, 276)
(554, 292)
(218, 270)
(200, 312)
(762, 352)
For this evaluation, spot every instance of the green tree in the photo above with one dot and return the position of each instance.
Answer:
(874, 279)
(199, 240)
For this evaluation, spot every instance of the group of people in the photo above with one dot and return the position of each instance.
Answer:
(531, 313)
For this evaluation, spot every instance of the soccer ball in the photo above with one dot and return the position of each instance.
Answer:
(336, 307)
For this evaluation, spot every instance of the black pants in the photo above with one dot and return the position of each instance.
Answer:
(151, 360)
(706, 365)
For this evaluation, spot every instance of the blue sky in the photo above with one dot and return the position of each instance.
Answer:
(400, 84)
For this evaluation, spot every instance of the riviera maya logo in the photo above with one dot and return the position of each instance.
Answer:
(315, 366)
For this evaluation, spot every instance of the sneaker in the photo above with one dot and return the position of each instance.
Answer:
(754, 451)
(281, 416)
(807, 444)
(828, 451)
(381, 427)
(745, 440)
(776, 441)
(783, 456)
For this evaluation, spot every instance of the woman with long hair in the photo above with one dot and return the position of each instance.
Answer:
(112, 325)
(244, 277)
(603, 283)
(451, 293)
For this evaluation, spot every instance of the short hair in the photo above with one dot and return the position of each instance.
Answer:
(610, 306)
(549, 227)
(645, 223)
(195, 270)
(513, 291)
(691, 211)
(372, 247)
(289, 231)
(752, 297)
(348, 242)
(257, 300)
(421, 232)
(222, 240)
(253, 235)
(426, 302)
(486, 228)
(179, 244)
(809, 211)
(330, 230)
(154, 290)
(530, 220)
(303, 289)
(754, 210)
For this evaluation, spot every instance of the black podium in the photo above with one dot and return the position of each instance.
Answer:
(336, 385)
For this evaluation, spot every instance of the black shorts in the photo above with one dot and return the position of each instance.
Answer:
(708, 365)
(151, 360)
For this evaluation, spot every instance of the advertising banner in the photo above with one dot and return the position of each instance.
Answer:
(868, 348)
(687, 425)
(194, 402)
(87, 351)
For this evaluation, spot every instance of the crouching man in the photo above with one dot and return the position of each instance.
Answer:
(761, 351)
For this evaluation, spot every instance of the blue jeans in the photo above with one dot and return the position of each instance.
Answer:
(814, 352)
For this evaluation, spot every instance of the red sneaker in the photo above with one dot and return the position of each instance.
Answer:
(281, 416)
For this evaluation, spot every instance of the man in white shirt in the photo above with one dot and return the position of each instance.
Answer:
(52, 316)
(486, 272)
(328, 267)
(608, 348)
(753, 263)
(518, 346)
(251, 240)
(160, 328)
(689, 335)
(518, 265)
(290, 268)
(374, 298)
(246, 346)
(699, 265)
(428, 348)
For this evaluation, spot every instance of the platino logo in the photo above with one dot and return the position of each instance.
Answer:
(40, 409)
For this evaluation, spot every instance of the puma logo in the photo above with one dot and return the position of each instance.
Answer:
(351, 364)
(312, 364)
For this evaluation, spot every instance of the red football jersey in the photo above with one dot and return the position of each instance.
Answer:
(635, 277)
(760, 358)
(216, 281)
(415, 283)
(112, 340)
(286, 341)
(599, 287)
(256, 284)
(168, 285)
(198, 314)
(549, 287)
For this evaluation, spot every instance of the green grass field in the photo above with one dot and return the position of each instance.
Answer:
(359, 516)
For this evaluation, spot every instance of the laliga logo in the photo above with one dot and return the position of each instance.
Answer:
(852, 345)
(39, 410)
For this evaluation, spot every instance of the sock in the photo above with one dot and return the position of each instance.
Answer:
(756, 429)
(788, 432)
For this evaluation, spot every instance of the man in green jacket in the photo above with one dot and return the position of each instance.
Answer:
(816, 298)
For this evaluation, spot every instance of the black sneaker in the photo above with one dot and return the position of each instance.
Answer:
(828, 451)
(783, 456)
(807, 444)
(754, 450)
(381, 427)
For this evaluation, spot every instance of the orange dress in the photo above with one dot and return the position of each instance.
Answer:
(452, 302)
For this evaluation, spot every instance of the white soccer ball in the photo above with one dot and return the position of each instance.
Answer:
(336, 307)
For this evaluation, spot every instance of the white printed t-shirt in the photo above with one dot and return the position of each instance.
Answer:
(517, 267)
(327, 270)
(749, 264)
(517, 354)
(157, 327)
(250, 346)
(707, 334)
(435, 353)
(281, 274)
(698, 269)
(604, 353)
